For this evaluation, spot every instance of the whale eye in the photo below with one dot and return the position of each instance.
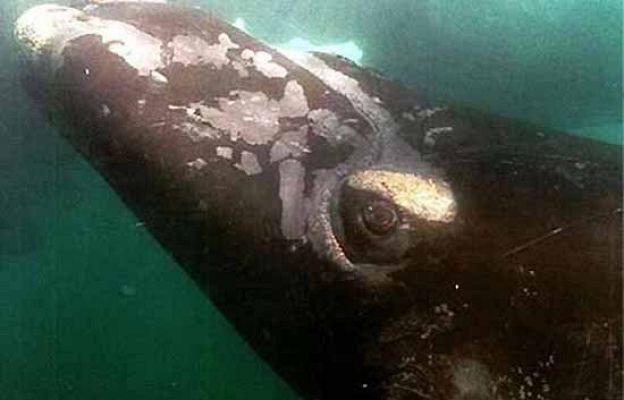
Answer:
(379, 217)
(383, 218)
(368, 227)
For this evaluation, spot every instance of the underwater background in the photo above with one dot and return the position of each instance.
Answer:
(91, 307)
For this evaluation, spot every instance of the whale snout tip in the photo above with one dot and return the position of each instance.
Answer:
(36, 29)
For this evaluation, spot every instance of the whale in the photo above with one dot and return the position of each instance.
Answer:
(367, 243)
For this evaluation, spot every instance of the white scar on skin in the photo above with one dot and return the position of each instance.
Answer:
(291, 187)
(191, 50)
(46, 30)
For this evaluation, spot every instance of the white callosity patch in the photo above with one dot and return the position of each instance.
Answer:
(472, 379)
(240, 68)
(377, 116)
(430, 134)
(197, 132)
(409, 116)
(247, 54)
(224, 152)
(291, 187)
(38, 28)
(252, 116)
(294, 103)
(290, 144)
(249, 163)
(192, 50)
(264, 63)
(46, 30)
(529, 383)
(158, 77)
(325, 123)
(428, 112)
(197, 164)
(106, 111)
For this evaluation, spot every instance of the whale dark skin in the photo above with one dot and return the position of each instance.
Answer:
(366, 244)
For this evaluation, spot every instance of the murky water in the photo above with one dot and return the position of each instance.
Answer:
(92, 307)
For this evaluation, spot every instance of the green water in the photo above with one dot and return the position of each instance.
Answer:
(92, 308)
